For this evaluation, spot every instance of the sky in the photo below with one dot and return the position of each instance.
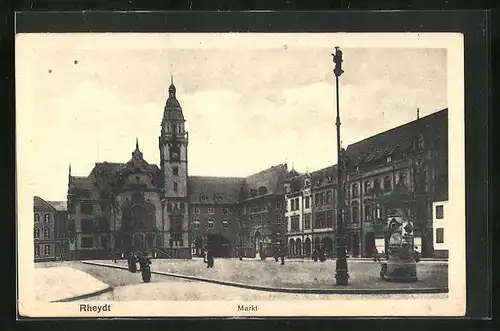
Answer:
(249, 103)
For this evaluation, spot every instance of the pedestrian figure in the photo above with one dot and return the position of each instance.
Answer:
(145, 265)
(315, 255)
(132, 262)
(282, 259)
(321, 254)
(210, 259)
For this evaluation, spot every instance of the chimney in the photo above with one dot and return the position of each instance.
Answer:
(286, 166)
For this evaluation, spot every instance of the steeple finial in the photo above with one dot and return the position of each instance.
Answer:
(136, 143)
(171, 74)
(418, 113)
(69, 172)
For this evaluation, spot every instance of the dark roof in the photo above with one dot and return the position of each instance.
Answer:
(41, 205)
(80, 182)
(223, 190)
(173, 109)
(325, 172)
(59, 205)
(292, 174)
(268, 178)
(397, 139)
(109, 171)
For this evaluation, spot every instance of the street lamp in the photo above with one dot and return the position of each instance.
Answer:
(341, 272)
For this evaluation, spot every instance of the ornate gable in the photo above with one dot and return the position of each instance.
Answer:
(137, 173)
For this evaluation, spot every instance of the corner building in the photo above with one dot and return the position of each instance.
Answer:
(410, 159)
(120, 207)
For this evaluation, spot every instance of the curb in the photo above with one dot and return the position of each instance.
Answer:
(291, 290)
(86, 296)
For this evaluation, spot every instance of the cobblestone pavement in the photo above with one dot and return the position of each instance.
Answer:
(364, 274)
(129, 286)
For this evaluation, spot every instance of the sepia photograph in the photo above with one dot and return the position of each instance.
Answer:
(240, 174)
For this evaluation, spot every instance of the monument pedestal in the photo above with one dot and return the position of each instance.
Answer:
(399, 267)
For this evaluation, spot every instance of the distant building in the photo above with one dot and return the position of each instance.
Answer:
(50, 230)
(261, 208)
(294, 203)
(324, 209)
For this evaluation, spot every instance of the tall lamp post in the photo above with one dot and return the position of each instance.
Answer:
(341, 273)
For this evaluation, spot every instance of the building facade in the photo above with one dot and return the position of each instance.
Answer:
(50, 230)
(411, 158)
(324, 209)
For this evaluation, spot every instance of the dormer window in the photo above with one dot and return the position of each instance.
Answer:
(329, 178)
(318, 182)
(262, 190)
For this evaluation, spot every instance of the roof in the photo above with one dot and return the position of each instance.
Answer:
(107, 170)
(224, 190)
(41, 205)
(59, 205)
(330, 171)
(399, 138)
(268, 178)
(173, 109)
(82, 182)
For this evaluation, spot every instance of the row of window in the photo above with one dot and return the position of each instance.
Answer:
(295, 202)
(211, 210)
(46, 218)
(46, 250)
(210, 224)
(402, 178)
(46, 233)
(322, 220)
(370, 212)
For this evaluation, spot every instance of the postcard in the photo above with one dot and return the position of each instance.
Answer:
(240, 174)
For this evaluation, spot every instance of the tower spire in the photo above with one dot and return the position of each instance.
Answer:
(136, 143)
(418, 113)
(171, 74)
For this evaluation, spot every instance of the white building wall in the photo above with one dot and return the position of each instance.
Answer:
(440, 223)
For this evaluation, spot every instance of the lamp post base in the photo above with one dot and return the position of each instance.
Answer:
(341, 273)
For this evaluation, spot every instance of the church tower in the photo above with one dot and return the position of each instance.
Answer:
(173, 143)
